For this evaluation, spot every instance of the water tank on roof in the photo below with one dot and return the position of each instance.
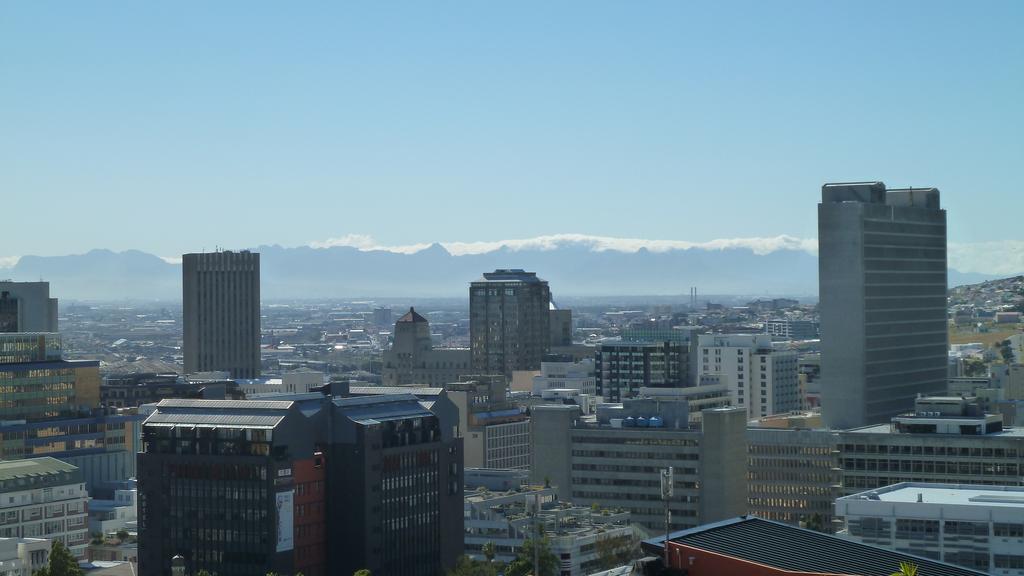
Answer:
(629, 422)
(641, 422)
(655, 422)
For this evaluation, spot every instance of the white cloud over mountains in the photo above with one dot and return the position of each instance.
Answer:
(759, 246)
(1002, 257)
(9, 261)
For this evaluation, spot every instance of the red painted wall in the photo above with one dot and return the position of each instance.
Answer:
(310, 478)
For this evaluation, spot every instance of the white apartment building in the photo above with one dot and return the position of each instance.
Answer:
(23, 556)
(44, 498)
(974, 526)
(760, 378)
(578, 375)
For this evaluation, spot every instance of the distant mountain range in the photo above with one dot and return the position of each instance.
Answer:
(348, 272)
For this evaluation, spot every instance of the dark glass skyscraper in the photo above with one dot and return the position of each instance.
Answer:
(509, 324)
(221, 305)
(882, 290)
(313, 484)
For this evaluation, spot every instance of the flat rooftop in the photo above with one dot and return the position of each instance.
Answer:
(951, 494)
(887, 429)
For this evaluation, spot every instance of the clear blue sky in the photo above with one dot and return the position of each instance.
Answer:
(174, 126)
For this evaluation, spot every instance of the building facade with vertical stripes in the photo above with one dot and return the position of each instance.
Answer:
(221, 306)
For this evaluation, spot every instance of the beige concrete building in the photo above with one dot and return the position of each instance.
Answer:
(413, 359)
(614, 460)
(496, 432)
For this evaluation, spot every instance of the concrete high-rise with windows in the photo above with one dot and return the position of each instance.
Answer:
(509, 321)
(882, 290)
(759, 378)
(27, 307)
(614, 460)
(221, 305)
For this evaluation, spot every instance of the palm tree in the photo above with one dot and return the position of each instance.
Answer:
(488, 550)
(906, 569)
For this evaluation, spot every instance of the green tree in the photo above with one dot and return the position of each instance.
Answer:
(123, 535)
(363, 572)
(489, 551)
(815, 522)
(62, 562)
(466, 566)
(523, 564)
(906, 569)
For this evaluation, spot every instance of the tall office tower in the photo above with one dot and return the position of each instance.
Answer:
(882, 290)
(509, 323)
(221, 304)
(27, 307)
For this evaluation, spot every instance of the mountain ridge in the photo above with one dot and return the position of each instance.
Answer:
(349, 271)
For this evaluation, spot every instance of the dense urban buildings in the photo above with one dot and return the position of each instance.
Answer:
(44, 498)
(509, 321)
(796, 474)
(614, 460)
(882, 290)
(315, 483)
(221, 309)
(27, 307)
(413, 359)
(51, 406)
(977, 527)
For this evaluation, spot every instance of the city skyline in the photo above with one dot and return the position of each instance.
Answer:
(408, 123)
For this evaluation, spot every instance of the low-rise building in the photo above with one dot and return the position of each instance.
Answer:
(977, 527)
(44, 498)
(750, 545)
(581, 537)
(23, 556)
(557, 372)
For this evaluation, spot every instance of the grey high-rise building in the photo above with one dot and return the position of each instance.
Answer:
(221, 305)
(882, 290)
(509, 324)
(27, 307)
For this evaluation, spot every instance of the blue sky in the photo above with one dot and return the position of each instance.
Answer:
(177, 126)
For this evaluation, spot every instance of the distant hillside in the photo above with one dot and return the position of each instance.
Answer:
(572, 270)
